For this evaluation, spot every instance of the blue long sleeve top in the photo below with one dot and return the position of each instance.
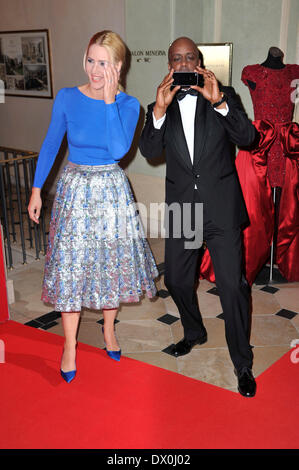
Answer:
(97, 133)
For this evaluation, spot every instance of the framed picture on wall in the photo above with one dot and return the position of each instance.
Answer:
(25, 63)
(218, 58)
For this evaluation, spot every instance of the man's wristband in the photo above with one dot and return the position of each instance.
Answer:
(224, 98)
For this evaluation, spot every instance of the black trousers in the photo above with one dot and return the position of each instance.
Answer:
(181, 265)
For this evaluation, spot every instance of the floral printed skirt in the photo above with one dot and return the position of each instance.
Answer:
(97, 255)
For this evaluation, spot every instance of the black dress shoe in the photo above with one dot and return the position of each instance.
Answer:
(185, 345)
(246, 382)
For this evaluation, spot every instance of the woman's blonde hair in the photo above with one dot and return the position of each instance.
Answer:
(115, 46)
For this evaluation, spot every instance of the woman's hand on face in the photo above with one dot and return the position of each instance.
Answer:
(111, 76)
(35, 205)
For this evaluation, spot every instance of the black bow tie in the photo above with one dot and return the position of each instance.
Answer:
(182, 93)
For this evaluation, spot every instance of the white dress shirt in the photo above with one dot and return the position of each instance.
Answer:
(187, 108)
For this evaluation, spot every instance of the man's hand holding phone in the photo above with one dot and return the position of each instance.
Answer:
(210, 90)
(202, 80)
(164, 95)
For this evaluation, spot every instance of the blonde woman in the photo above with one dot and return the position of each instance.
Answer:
(97, 255)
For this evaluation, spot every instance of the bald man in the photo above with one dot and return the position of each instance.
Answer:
(196, 126)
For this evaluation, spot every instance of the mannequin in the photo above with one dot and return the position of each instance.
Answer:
(274, 61)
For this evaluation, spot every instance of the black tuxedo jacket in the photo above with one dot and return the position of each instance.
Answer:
(213, 170)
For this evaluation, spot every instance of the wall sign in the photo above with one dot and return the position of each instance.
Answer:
(218, 58)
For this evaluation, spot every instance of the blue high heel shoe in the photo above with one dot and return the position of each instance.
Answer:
(70, 375)
(113, 354)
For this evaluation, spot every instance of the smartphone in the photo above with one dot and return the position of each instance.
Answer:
(187, 79)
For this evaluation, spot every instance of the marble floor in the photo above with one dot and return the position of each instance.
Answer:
(147, 329)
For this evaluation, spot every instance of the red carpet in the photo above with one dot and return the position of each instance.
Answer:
(132, 405)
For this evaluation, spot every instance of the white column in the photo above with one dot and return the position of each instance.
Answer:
(172, 20)
(284, 25)
(217, 20)
(297, 45)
